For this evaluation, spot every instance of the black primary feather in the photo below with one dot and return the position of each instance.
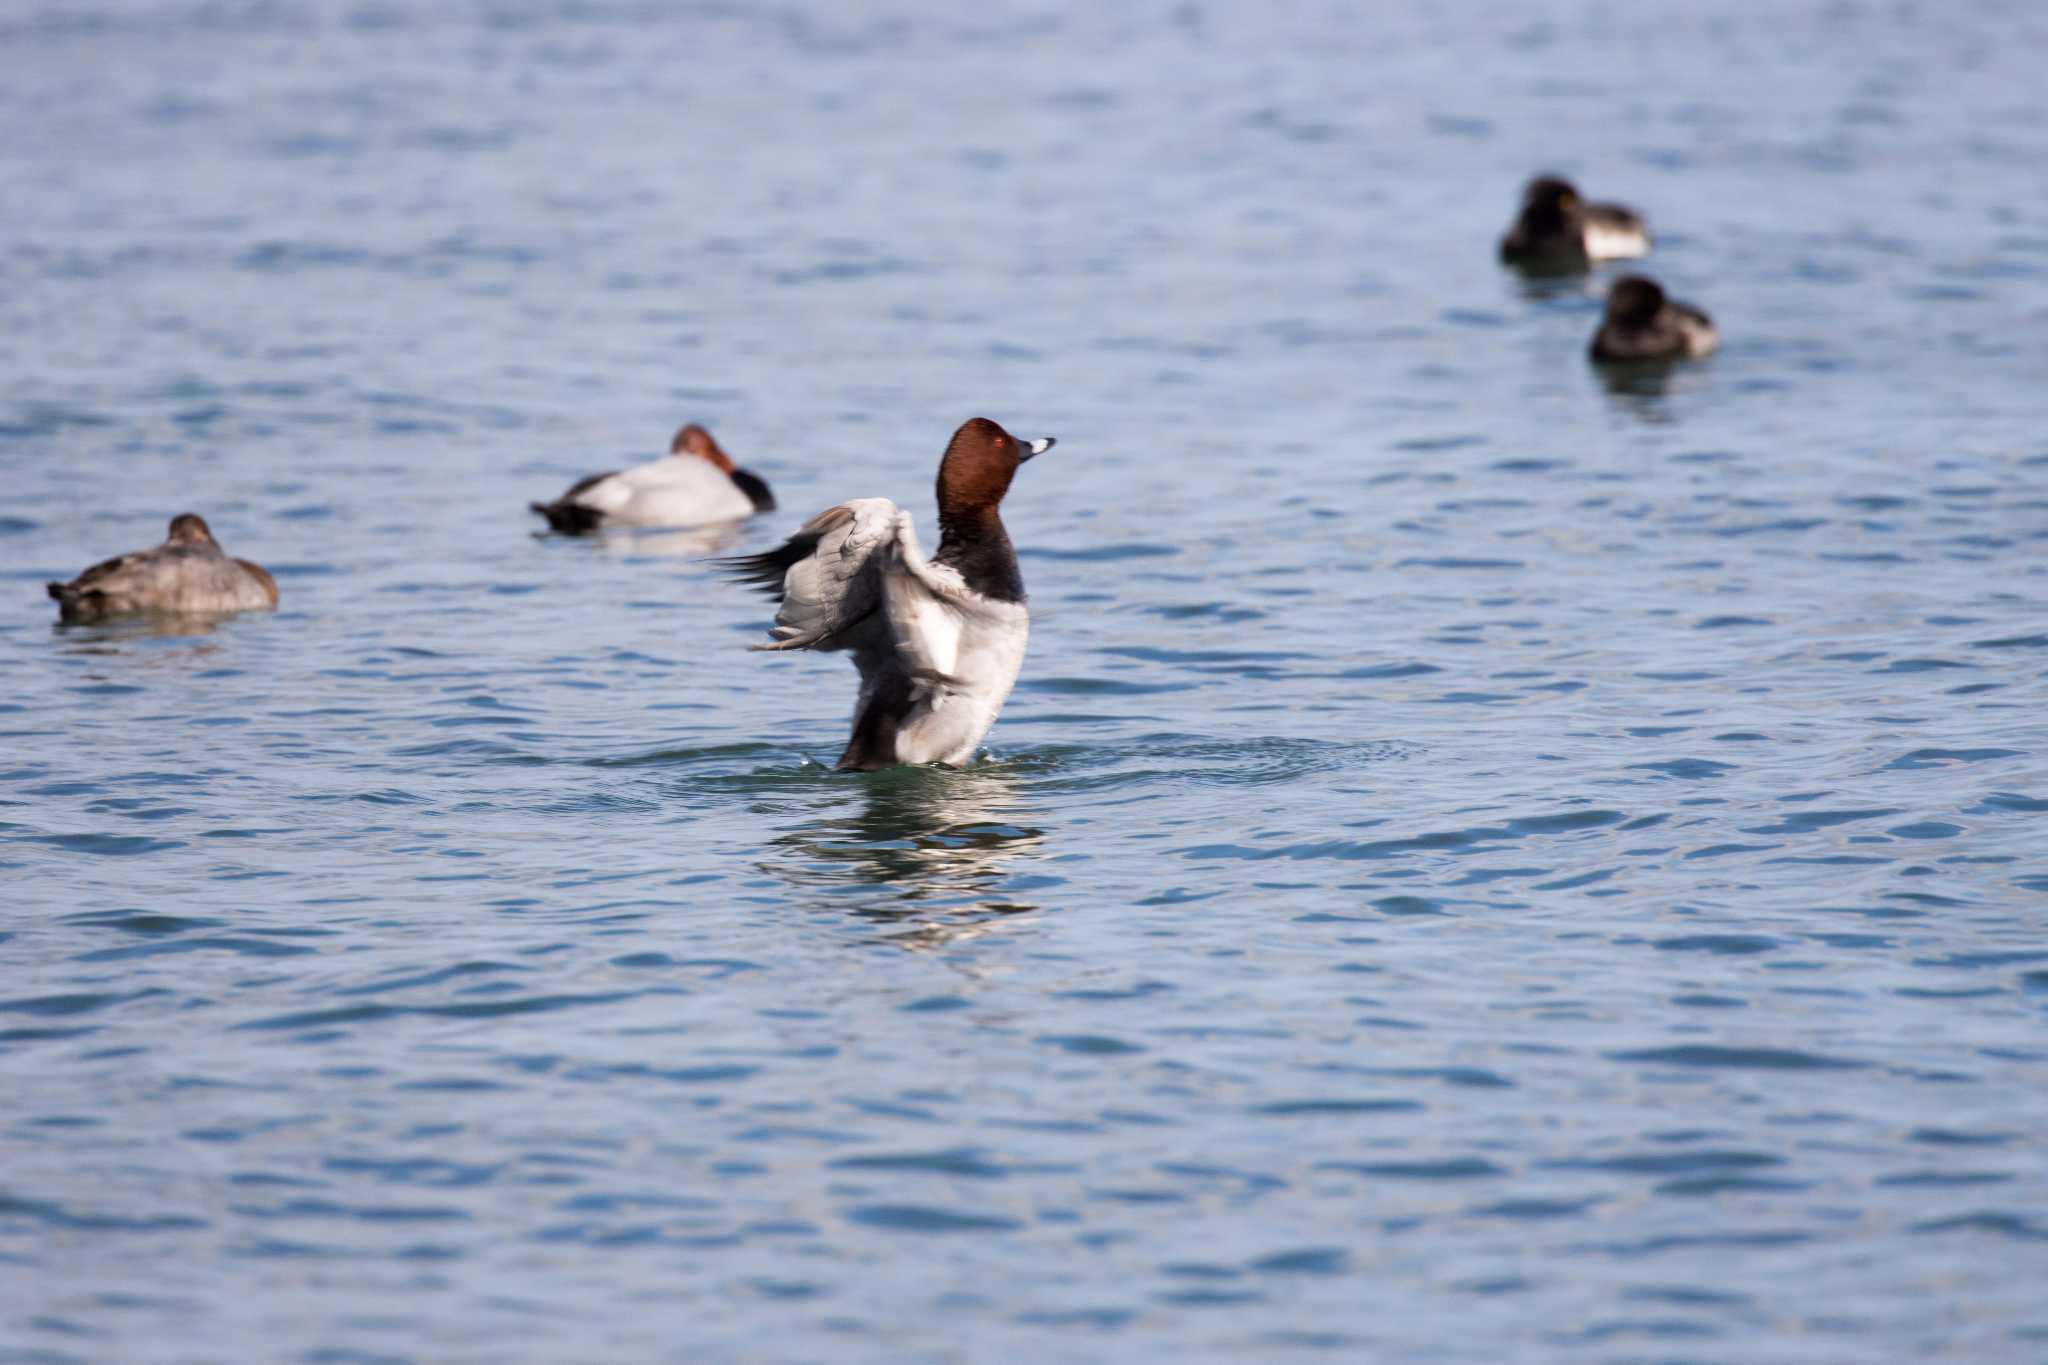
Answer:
(767, 570)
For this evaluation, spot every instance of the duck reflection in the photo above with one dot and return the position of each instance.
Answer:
(932, 845)
(1643, 388)
(1549, 284)
(669, 542)
(112, 636)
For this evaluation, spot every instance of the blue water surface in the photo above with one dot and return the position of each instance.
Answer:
(1483, 862)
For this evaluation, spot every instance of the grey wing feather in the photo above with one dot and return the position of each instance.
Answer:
(830, 593)
(103, 573)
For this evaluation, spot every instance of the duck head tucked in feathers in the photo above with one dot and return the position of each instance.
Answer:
(189, 574)
(189, 528)
(694, 440)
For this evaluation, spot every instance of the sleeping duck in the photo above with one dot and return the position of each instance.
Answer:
(694, 485)
(189, 574)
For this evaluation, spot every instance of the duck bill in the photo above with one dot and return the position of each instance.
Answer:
(1027, 449)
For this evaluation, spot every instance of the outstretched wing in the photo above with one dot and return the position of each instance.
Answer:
(828, 575)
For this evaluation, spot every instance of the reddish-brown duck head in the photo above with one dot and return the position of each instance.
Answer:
(980, 461)
(694, 440)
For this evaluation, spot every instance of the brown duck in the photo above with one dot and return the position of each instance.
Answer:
(189, 574)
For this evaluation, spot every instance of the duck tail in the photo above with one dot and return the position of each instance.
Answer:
(73, 602)
(571, 519)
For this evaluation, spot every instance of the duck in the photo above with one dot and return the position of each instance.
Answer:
(938, 642)
(695, 484)
(1558, 230)
(189, 574)
(1643, 324)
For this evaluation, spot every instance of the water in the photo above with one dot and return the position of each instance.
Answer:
(1480, 864)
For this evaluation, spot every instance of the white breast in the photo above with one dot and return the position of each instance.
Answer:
(954, 712)
(961, 650)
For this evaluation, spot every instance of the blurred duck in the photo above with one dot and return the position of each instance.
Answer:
(189, 574)
(695, 484)
(938, 641)
(1557, 230)
(1642, 324)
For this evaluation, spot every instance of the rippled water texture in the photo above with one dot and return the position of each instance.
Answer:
(1482, 864)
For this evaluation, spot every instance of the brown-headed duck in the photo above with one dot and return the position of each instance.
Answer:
(694, 485)
(938, 641)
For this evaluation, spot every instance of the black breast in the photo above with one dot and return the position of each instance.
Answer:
(984, 558)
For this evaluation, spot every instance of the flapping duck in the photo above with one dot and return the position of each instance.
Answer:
(938, 641)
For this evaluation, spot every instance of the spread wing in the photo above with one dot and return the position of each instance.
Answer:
(828, 576)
